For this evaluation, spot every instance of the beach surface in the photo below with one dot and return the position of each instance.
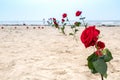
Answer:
(47, 54)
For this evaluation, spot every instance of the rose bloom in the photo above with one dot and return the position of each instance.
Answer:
(63, 20)
(89, 36)
(64, 15)
(100, 45)
(78, 13)
(54, 19)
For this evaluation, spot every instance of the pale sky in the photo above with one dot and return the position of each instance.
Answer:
(12, 10)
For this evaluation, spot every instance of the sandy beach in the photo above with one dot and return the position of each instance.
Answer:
(46, 54)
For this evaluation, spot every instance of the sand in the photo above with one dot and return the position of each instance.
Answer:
(46, 54)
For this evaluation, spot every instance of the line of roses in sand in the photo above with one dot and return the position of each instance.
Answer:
(89, 37)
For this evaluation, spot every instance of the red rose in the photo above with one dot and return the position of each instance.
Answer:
(54, 19)
(100, 45)
(63, 20)
(89, 36)
(64, 15)
(78, 13)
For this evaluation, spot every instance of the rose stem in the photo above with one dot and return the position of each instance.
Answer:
(83, 22)
(72, 29)
(102, 77)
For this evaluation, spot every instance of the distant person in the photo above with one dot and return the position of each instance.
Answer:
(24, 24)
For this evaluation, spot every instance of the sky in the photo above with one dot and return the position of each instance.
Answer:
(17, 10)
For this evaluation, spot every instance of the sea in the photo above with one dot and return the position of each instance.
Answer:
(39, 23)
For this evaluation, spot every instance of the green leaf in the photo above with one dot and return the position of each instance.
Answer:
(93, 57)
(77, 24)
(91, 67)
(64, 24)
(67, 19)
(62, 29)
(107, 55)
(100, 66)
(105, 75)
(76, 30)
(71, 34)
(82, 18)
(72, 26)
(86, 24)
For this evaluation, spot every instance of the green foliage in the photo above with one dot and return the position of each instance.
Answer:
(107, 55)
(77, 24)
(72, 26)
(67, 19)
(62, 29)
(64, 24)
(76, 30)
(71, 34)
(97, 64)
(100, 66)
(82, 18)
(56, 25)
(91, 59)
